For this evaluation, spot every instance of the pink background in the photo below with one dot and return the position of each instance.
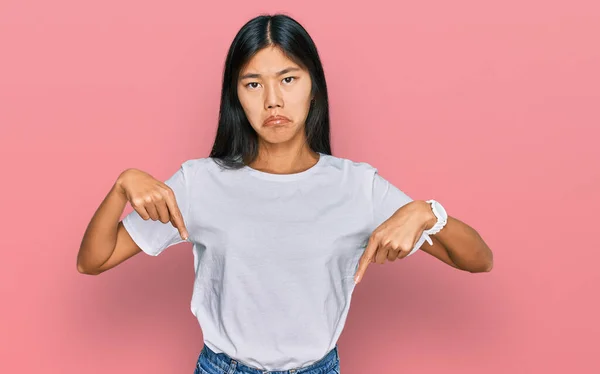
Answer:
(488, 107)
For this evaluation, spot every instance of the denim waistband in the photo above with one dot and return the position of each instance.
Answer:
(230, 365)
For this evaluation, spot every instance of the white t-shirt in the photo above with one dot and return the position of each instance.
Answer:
(274, 254)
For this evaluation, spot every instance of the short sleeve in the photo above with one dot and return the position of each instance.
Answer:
(151, 236)
(386, 200)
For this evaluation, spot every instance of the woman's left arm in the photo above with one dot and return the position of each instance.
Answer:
(457, 244)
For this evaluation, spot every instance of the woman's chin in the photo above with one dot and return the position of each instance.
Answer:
(278, 134)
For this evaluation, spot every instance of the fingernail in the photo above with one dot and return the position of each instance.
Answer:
(356, 280)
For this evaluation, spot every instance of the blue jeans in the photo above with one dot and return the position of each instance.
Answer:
(210, 362)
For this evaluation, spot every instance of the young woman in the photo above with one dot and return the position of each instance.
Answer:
(281, 229)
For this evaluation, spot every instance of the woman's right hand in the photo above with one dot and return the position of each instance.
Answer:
(151, 198)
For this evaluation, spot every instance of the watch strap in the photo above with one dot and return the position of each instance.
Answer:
(438, 225)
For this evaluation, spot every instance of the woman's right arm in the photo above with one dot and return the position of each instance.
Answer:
(106, 243)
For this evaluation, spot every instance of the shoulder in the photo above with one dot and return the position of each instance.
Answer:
(207, 169)
(200, 164)
(190, 168)
(346, 166)
(197, 163)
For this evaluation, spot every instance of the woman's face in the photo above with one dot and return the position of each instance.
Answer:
(273, 85)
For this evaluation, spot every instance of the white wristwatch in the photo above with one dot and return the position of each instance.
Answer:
(442, 218)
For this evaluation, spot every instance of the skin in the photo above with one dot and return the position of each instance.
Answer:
(106, 243)
(457, 244)
(282, 150)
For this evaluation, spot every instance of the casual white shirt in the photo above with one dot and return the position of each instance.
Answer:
(274, 254)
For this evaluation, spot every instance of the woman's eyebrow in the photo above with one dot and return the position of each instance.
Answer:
(254, 75)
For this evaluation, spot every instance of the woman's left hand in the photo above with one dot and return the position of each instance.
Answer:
(397, 236)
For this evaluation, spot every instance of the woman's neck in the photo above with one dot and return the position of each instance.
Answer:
(284, 160)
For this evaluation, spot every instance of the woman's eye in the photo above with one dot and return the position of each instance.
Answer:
(287, 80)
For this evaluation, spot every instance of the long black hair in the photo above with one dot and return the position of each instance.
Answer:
(236, 142)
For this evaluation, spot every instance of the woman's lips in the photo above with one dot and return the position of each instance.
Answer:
(276, 120)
